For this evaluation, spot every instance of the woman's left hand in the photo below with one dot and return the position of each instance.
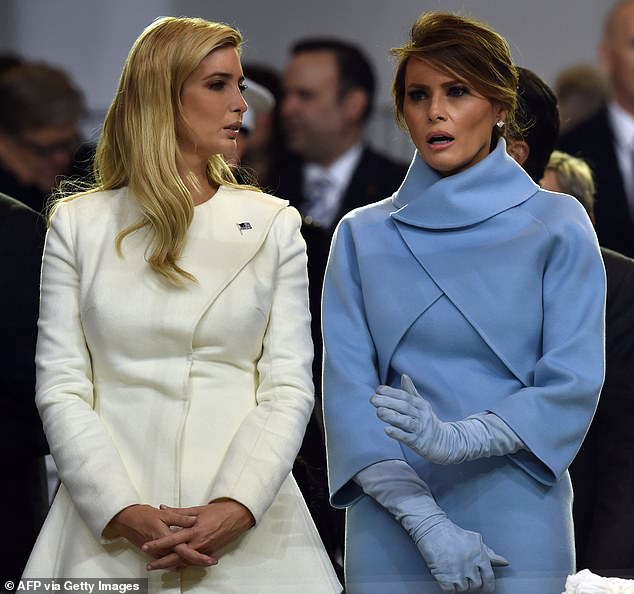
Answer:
(412, 421)
(217, 524)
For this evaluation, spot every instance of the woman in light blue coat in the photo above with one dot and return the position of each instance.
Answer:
(463, 332)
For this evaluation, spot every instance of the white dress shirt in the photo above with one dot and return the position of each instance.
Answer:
(623, 126)
(333, 181)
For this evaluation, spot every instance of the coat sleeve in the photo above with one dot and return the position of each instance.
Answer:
(355, 438)
(261, 454)
(87, 459)
(553, 413)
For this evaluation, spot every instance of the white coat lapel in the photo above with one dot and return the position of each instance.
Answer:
(224, 236)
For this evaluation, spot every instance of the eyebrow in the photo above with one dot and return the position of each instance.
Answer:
(445, 85)
(226, 75)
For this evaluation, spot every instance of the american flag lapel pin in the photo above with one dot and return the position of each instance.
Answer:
(246, 226)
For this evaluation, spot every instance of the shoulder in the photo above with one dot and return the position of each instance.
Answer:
(87, 202)
(366, 221)
(16, 210)
(266, 209)
(254, 198)
(618, 266)
(557, 211)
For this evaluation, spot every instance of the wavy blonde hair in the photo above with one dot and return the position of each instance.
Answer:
(138, 147)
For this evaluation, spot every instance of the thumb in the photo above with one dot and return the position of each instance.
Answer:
(408, 385)
(496, 560)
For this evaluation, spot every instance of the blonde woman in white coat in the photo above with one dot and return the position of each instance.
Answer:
(174, 349)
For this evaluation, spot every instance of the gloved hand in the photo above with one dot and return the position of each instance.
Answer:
(412, 421)
(457, 558)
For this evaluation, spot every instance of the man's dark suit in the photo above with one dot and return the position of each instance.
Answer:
(593, 141)
(603, 471)
(22, 442)
(374, 178)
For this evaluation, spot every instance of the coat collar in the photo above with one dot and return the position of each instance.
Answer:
(497, 183)
(226, 235)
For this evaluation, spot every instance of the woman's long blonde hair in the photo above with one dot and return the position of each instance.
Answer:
(138, 147)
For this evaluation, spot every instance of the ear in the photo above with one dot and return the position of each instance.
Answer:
(355, 103)
(519, 150)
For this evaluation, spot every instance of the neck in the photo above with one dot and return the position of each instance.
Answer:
(194, 176)
(624, 101)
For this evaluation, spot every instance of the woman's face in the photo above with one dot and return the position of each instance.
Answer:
(212, 105)
(550, 181)
(448, 121)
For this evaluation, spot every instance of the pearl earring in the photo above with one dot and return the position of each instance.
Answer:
(500, 124)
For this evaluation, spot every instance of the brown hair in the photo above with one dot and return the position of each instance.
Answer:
(462, 46)
(36, 95)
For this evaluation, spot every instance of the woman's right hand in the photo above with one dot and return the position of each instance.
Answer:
(459, 559)
(143, 523)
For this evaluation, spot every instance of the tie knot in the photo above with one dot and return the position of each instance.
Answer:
(316, 187)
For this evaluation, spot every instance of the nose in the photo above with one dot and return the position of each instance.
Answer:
(437, 111)
(288, 105)
(240, 103)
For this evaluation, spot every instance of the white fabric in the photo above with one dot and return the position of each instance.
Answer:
(155, 394)
(586, 582)
(623, 127)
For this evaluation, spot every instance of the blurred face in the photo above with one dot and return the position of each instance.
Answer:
(313, 114)
(617, 53)
(212, 106)
(550, 181)
(38, 156)
(449, 122)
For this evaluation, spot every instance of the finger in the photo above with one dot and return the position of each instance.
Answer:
(403, 406)
(176, 560)
(496, 560)
(474, 582)
(409, 439)
(194, 557)
(404, 422)
(167, 542)
(486, 578)
(185, 511)
(177, 519)
(408, 385)
(166, 562)
(393, 393)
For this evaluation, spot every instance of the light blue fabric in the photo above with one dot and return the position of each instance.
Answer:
(411, 420)
(458, 559)
(489, 293)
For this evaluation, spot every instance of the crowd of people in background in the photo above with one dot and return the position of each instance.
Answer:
(304, 140)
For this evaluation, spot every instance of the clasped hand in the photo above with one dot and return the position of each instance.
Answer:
(458, 559)
(412, 421)
(180, 537)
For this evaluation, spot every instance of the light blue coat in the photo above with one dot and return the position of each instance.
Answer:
(489, 292)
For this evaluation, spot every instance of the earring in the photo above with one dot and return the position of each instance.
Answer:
(500, 124)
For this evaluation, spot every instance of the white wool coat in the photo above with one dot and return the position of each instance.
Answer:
(152, 393)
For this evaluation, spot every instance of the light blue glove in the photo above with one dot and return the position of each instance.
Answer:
(412, 421)
(458, 559)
